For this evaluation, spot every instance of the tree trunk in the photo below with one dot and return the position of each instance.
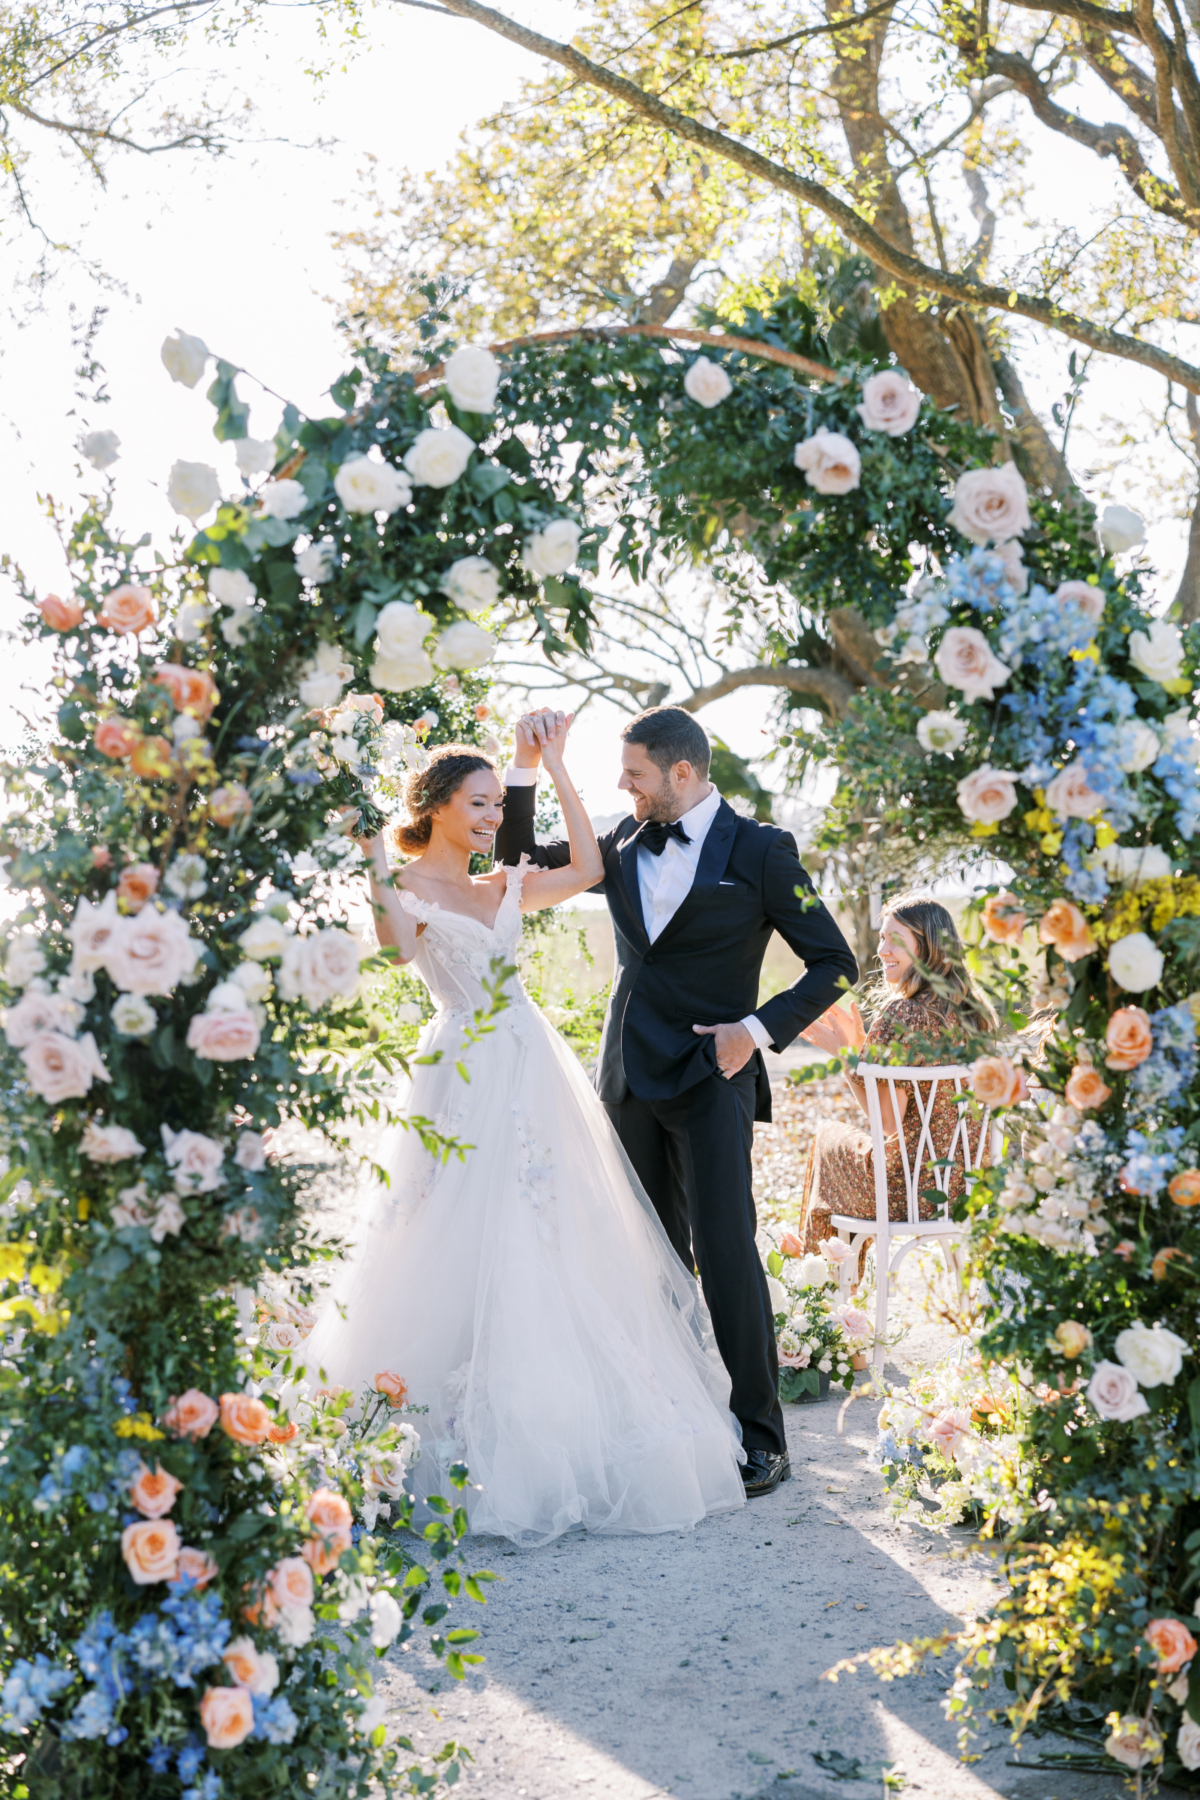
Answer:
(1186, 606)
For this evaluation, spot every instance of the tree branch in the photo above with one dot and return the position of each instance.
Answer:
(824, 684)
(1098, 18)
(907, 268)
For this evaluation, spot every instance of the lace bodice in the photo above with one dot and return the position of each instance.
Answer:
(457, 954)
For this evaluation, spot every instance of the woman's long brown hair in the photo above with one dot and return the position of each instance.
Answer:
(939, 967)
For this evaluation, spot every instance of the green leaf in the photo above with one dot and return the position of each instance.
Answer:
(70, 723)
(364, 622)
(345, 389)
(233, 415)
(432, 1614)
(461, 1636)
(416, 1575)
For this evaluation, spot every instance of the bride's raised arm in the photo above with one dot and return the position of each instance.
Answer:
(395, 928)
(547, 887)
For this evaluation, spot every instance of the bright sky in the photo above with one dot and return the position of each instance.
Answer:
(238, 253)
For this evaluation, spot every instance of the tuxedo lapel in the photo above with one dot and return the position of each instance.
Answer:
(633, 887)
(713, 857)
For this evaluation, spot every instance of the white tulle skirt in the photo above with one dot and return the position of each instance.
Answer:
(529, 1297)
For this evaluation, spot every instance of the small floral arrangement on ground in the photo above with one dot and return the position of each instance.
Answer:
(816, 1331)
(954, 1436)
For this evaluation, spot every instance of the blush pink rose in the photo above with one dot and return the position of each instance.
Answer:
(223, 1036)
(987, 795)
(290, 1583)
(853, 1321)
(151, 1550)
(965, 660)
(834, 1250)
(192, 1415)
(1089, 599)
(1070, 795)
(227, 1715)
(192, 690)
(830, 462)
(151, 953)
(109, 1143)
(990, 504)
(196, 1567)
(61, 1068)
(890, 403)
(950, 1427)
(117, 737)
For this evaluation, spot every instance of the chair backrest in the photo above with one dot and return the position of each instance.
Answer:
(918, 1163)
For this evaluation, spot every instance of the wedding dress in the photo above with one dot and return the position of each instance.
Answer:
(527, 1293)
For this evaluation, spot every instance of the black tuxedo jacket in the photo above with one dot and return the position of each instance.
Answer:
(703, 968)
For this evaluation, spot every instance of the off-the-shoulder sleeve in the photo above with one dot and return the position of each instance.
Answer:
(514, 876)
(421, 910)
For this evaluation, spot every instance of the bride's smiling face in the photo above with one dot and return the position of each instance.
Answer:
(471, 817)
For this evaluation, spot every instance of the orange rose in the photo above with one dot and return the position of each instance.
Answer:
(229, 804)
(151, 759)
(1164, 1259)
(323, 1553)
(153, 1493)
(392, 1386)
(1003, 920)
(193, 1415)
(191, 690)
(227, 1715)
(1064, 926)
(61, 615)
(790, 1245)
(328, 1511)
(1072, 1337)
(1184, 1188)
(244, 1419)
(1172, 1643)
(138, 883)
(1128, 1037)
(283, 1434)
(290, 1583)
(997, 1082)
(116, 736)
(128, 609)
(1085, 1089)
(151, 1550)
(197, 1566)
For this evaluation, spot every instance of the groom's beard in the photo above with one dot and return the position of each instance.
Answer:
(662, 807)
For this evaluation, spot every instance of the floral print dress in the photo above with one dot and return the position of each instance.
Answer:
(840, 1174)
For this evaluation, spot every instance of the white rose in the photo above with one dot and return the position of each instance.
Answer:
(295, 1626)
(101, 448)
(191, 621)
(942, 732)
(283, 499)
(1137, 746)
(366, 486)
(251, 1152)
(1135, 962)
(91, 932)
(1113, 1393)
(228, 997)
(472, 376)
(133, 1016)
(132, 1208)
(409, 1013)
(1120, 529)
(184, 357)
(232, 587)
(26, 958)
(1152, 1354)
(264, 938)
(255, 981)
(320, 968)
(397, 674)
(110, 1144)
(386, 1619)
(553, 549)
(324, 678)
(707, 383)
(78, 985)
(187, 876)
(401, 628)
(38, 1010)
(965, 660)
(1187, 1743)
(464, 646)
(990, 504)
(61, 1068)
(890, 403)
(372, 1715)
(193, 489)
(778, 1293)
(812, 1270)
(987, 795)
(437, 458)
(151, 953)
(1135, 864)
(1069, 795)
(1158, 653)
(169, 1218)
(197, 1161)
(473, 583)
(830, 462)
(254, 456)
(282, 1337)
(318, 562)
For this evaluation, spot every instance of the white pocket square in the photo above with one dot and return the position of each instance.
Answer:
(727, 884)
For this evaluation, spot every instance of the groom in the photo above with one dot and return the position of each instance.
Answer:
(695, 892)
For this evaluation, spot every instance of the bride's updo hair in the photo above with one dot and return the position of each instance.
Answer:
(428, 788)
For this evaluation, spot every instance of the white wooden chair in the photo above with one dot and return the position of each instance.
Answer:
(921, 1172)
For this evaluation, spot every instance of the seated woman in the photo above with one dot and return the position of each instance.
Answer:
(930, 1007)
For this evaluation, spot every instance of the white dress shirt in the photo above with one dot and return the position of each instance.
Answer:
(665, 881)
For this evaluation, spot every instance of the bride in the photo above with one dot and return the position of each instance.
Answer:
(526, 1292)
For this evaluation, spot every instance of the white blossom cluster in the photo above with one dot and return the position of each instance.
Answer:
(1053, 1192)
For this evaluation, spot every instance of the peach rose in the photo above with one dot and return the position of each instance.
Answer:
(101, 856)
(1089, 599)
(1172, 1643)
(290, 1583)
(1086, 1089)
(1129, 1038)
(1003, 920)
(364, 703)
(61, 615)
(1072, 1338)
(949, 1429)
(152, 759)
(117, 737)
(990, 503)
(790, 1245)
(283, 1434)
(227, 1715)
(830, 462)
(128, 609)
(328, 1511)
(153, 1492)
(151, 1550)
(322, 1554)
(138, 883)
(191, 690)
(393, 1386)
(196, 1567)
(1070, 796)
(1184, 1188)
(229, 804)
(995, 1081)
(244, 1419)
(1064, 926)
(223, 1036)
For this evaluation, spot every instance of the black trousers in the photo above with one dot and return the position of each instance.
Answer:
(692, 1156)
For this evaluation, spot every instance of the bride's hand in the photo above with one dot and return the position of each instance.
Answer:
(837, 1029)
(554, 727)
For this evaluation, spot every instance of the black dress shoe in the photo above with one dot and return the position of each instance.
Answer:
(763, 1471)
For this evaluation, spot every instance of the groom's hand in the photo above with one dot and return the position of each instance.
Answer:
(734, 1046)
(527, 752)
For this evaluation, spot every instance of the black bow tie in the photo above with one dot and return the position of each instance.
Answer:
(654, 835)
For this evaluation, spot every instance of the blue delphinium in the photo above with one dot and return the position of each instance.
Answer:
(274, 1720)
(1169, 1069)
(28, 1690)
(159, 1757)
(1176, 769)
(207, 1789)
(1150, 1159)
(190, 1760)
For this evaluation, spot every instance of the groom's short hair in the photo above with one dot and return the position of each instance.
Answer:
(669, 735)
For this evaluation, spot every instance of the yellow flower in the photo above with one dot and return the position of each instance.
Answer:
(1092, 654)
(138, 1426)
(980, 830)
(12, 1261)
(1051, 844)
(1105, 835)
